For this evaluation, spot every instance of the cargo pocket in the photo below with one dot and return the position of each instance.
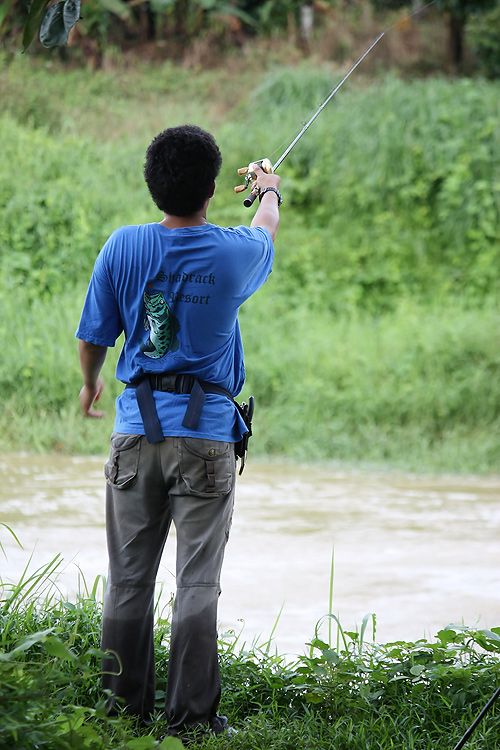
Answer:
(207, 466)
(121, 468)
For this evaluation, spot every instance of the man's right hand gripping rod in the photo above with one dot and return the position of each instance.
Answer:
(251, 177)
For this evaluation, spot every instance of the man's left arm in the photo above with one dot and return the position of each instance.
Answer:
(92, 358)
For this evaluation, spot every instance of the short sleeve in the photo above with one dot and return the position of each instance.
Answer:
(100, 322)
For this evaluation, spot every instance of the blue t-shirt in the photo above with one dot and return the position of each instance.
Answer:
(175, 293)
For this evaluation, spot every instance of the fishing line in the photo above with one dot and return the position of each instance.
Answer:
(330, 96)
(266, 164)
(408, 16)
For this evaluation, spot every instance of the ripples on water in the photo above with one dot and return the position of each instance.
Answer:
(419, 552)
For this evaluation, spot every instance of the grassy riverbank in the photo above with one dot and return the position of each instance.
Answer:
(376, 339)
(347, 693)
(414, 388)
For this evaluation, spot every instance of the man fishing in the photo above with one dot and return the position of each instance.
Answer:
(174, 289)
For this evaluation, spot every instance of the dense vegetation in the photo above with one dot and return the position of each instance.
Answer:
(376, 338)
(346, 692)
(183, 29)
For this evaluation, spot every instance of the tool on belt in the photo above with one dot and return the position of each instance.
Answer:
(197, 390)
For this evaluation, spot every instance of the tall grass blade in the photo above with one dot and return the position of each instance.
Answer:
(330, 597)
(13, 534)
(366, 619)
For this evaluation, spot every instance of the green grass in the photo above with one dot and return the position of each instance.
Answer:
(348, 692)
(376, 339)
(414, 388)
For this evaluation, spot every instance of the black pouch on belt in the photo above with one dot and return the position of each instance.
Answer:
(246, 413)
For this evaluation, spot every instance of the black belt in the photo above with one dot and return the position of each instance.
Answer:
(181, 383)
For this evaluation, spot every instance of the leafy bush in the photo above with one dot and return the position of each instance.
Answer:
(393, 190)
(347, 691)
(415, 385)
(59, 203)
(50, 671)
(384, 294)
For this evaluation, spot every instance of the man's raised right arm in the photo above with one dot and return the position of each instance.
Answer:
(267, 214)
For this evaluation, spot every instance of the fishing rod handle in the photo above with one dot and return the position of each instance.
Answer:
(250, 198)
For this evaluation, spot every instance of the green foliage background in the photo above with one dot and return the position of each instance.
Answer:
(376, 338)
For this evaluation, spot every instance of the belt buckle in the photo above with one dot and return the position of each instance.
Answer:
(160, 383)
(155, 382)
(184, 383)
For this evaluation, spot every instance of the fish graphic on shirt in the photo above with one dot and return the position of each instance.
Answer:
(163, 327)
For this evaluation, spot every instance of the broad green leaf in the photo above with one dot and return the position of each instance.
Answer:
(491, 634)
(319, 670)
(314, 698)
(58, 22)
(32, 25)
(141, 743)
(55, 647)
(171, 743)
(446, 636)
(351, 634)
(417, 670)
(66, 724)
(300, 680)
(231, 10)
(331, 656)
(318, 643)
(30, 640)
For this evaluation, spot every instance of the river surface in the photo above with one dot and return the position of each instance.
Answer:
(418, 552)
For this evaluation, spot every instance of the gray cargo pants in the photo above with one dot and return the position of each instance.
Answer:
(189, 481)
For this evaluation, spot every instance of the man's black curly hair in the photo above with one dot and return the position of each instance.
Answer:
(181, 166)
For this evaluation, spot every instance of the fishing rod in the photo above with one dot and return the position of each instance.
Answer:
(477, 720)
(266, 164)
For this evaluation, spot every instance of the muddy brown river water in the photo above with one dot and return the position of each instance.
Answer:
(419, 552)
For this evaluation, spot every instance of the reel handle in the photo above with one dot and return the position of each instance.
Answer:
(250, 176)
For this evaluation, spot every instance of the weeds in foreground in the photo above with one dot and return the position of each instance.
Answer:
(351, 692)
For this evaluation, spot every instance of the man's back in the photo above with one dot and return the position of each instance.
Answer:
(176, 294)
